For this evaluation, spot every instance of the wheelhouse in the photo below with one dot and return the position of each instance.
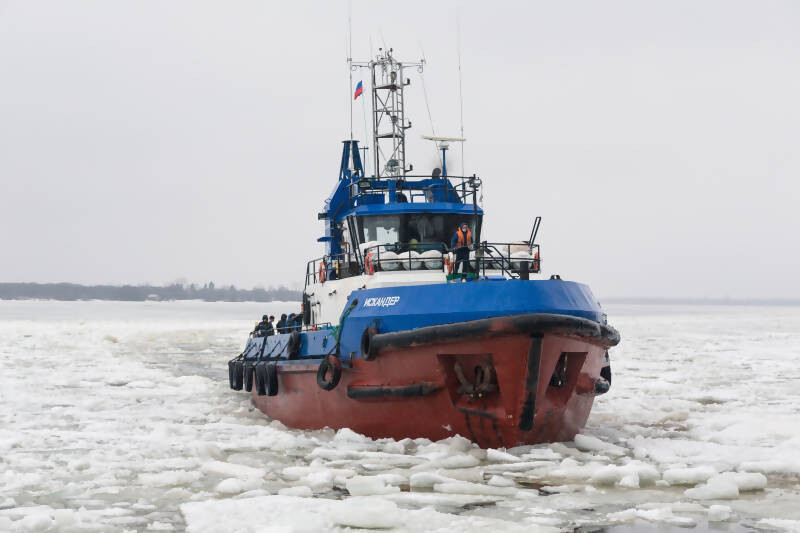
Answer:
(415, 230)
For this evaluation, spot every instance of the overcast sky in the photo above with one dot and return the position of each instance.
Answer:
(152, 141)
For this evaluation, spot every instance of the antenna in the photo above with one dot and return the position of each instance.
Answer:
(350, 61)
(425, 92)
(460, 94)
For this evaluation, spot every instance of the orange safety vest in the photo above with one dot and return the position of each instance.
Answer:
(461, 240)
(368, 264)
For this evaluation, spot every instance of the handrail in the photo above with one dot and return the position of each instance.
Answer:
(488, 256)
(464, 188)
(309, 327)
(506, 261)
(409, 260)
(333, 264)
(482, 260)
(500, 258)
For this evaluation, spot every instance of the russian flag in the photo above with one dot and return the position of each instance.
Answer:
(359, 90)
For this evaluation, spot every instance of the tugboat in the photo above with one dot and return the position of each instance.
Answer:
(394, 343)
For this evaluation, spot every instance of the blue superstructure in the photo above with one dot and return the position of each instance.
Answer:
(358, 195)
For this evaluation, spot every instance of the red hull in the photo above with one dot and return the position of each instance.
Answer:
(415, 391)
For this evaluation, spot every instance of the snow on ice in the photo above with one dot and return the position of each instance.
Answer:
(118, 417)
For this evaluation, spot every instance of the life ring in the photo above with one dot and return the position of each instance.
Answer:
(366, 344)
(536, 261)
(271, 379)
(261, 382)
(448, 264)
(330, 365)
(321, 272)
(293, 345)
(370, 266)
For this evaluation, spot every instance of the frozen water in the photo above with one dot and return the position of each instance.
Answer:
(118, 417)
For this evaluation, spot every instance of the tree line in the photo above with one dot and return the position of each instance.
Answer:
(139, 293)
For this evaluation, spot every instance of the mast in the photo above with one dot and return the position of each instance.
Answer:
(388, 113)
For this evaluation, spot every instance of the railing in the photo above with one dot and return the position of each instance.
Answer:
(304, 328)
(512, 259)
(309, 327)
(408, 256)
(457, 189)
(527, 260)
(433, 256)
(332, 267)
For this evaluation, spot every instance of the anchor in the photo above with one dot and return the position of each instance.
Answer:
(484, 374)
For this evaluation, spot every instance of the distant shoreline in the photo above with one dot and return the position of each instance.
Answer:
(141, 293)
(702, 301)
(211, 293)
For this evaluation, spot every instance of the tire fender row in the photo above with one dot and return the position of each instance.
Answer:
(244, 374)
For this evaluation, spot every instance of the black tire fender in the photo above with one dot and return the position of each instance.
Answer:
(366, 344)
(293, 345)
(248, 376)
(605, 372)
(232, 374)
(261, 379)
(330, 365)
(271, 379)
(238, 369)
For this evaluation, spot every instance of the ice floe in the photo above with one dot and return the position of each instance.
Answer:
(117, 417)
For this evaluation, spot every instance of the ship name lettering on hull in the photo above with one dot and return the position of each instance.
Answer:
(386, 301)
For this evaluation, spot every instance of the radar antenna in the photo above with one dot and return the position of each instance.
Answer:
(443, 144)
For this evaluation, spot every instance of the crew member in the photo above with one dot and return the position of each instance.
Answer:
(281, 325)
(294, 323)
(264, 328)
(461, 243)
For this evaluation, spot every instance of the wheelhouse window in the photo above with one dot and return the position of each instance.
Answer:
(415, 231)
(382, 228)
